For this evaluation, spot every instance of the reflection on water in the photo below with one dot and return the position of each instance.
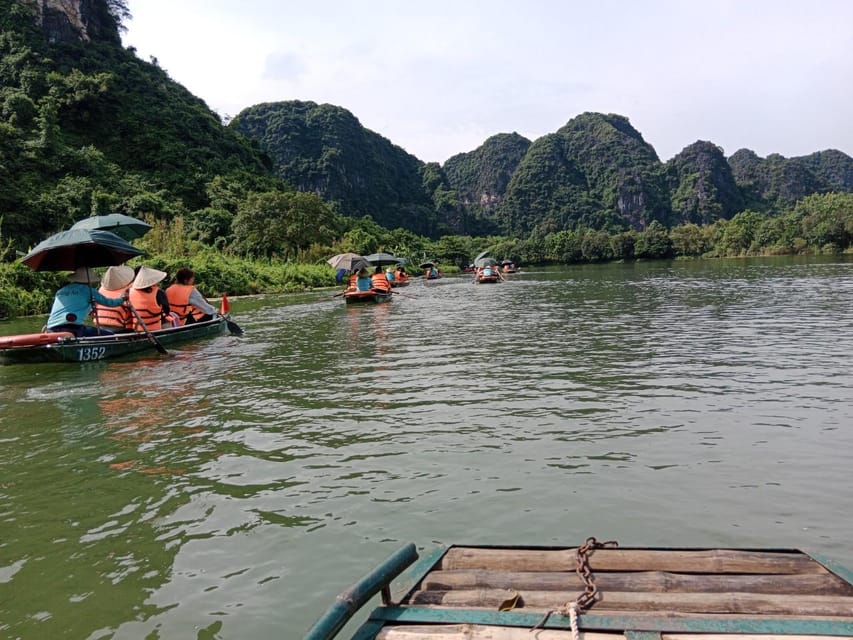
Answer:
(234, 488)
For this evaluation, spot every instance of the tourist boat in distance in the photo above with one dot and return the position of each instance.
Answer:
(508, 266)
(487, 275)
(371, 296)
(400, 281)
(431, 271)
(561, 593)
(37, 348)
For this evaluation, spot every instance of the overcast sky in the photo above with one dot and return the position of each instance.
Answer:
(439, 77)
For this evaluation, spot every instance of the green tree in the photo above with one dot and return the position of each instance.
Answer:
(689, 240)
(595, 246)
(622, 245)
(564, 246)
(739, 233)
(276, 223)
(826, 220)
(654, 242)
(453, 249)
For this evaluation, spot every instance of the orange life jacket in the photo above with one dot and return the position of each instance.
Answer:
(379, 282)
(112, 316)
(179, 302)
(353, 282)
(146, 305)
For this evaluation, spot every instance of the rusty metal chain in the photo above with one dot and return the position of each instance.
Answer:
(590, 593)
(588, 597)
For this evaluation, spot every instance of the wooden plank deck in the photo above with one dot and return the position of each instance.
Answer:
(711, 581)
(515, 593)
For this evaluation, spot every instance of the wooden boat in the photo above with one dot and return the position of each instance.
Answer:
(488, 275)
(600, 592)
(371, 296)
(400, 282)
(65, 347)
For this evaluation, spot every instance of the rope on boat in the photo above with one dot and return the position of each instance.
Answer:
(589, 597)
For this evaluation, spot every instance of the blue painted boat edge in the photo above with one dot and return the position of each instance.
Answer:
(416, 573)
(350, 601)
(833, 566)
(591, 622)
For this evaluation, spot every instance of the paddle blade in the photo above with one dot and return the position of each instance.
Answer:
(224, 306)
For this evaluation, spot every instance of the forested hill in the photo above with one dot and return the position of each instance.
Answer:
(480, 177)
(86, 126)
(324, 149)
(595, 171)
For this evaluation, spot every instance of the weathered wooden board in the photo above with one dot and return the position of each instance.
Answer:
(651, 581)
(681, 561)
(740, 603)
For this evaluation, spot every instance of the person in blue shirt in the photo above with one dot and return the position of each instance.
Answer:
(73, 303)
(364, 283)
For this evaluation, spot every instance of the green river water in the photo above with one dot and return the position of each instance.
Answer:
(233, 489)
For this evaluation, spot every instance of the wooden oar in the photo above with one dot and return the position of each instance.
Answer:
(404, 295)
(233, 327)
(148, 333)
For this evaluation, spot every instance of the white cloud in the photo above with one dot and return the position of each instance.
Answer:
(439, 78)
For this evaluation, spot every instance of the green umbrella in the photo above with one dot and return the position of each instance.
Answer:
(67, 250)
(485, 262)
(381, 259)
(124, 226)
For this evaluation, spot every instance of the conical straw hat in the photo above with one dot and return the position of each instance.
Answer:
(147, 277)
(117, 278)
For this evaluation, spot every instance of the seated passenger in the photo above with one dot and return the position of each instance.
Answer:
(379, 282)
(186, 301)
(115, 282)
(73, 302)
(363, 281)
(144, 297)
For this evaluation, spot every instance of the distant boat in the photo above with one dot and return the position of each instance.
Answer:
(508, 266)
(560, 593)
(488, 275)
(370, 296)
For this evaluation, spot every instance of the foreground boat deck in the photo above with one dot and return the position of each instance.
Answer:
(509, 593)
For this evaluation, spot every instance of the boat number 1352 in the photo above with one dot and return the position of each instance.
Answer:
(92, 353)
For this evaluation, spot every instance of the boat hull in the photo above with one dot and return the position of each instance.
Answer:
(488, 279)
(367, 297)
(73, 349)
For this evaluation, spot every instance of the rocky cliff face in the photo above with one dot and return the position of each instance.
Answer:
(74, 20)
(702, 185)
(481, 176)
